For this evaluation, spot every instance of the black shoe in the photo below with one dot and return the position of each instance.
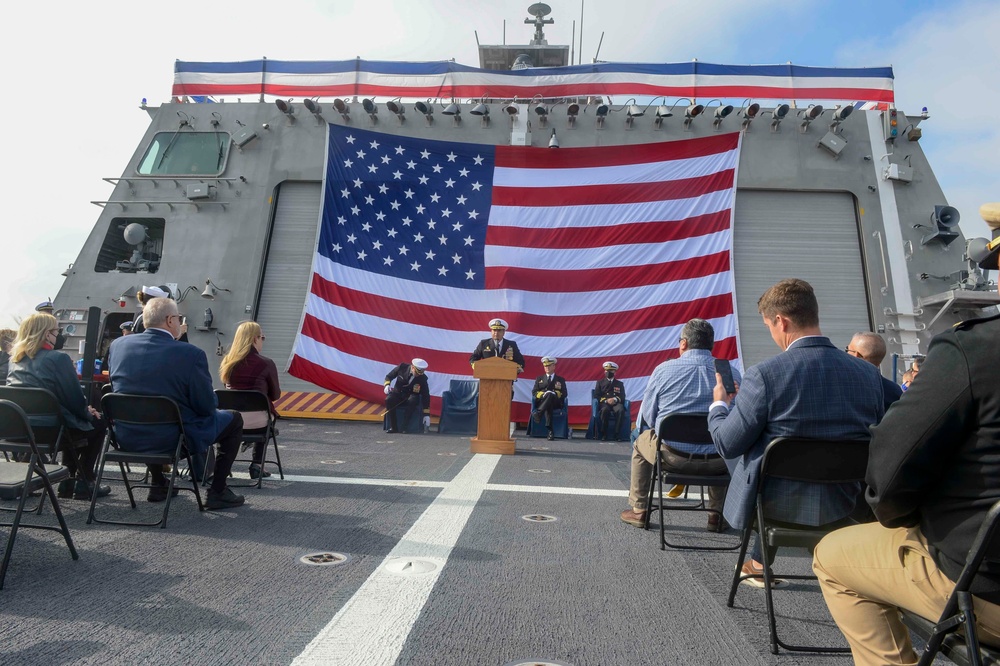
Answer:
(227, 499)
(66, 488)
(550, 436)
(159, 494)
(536, 416)
(255, 472)
(85, 490)
(391, 431)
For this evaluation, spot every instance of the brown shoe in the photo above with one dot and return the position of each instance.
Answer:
(635, 518)
(755, 570)
(716, 523)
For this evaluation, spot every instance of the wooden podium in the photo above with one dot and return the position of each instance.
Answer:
(495, 376)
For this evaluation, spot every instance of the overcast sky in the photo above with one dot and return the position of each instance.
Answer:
(76, 73)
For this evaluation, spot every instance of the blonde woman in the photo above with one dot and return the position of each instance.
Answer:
(35, 364)
(245, 368)
(7, 336)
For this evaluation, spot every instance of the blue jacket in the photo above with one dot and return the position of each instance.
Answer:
(153, 363)
(54, 370)
(814, 390)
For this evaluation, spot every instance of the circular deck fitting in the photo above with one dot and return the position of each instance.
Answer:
(448, 454)
(539, 518)
(410, 566)
(539, 471)
(537, 662)
(324, 559)
(331, 462)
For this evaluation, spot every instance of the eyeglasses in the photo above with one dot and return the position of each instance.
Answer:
(52, 331)
(854, 352)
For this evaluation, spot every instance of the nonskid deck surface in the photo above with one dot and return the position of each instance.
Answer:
(441, 568)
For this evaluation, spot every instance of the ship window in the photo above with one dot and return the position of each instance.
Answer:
(186, 154)
(132, 245)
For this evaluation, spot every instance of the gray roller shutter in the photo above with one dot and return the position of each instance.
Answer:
(807, 235)
(287, 275)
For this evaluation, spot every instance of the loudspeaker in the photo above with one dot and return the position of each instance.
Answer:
(944, 219)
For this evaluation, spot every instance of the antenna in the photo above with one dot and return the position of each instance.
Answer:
(539, 10)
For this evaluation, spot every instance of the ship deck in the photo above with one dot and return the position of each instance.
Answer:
(228, 587)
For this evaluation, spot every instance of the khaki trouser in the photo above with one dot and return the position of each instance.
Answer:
(867, 572)
(642, 467)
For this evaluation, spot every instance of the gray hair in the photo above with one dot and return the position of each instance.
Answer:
(699, 334)
(156, 311)
(872, 346)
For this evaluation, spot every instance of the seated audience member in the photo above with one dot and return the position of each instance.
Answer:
(811, 389)
(35, 364)
(46, 307)
(610, 394)
(871, 347)
(244, 367)
(550, 394)
(7, 336)
(156, 363)
(407, 383)
(681, 385)
(933, 474)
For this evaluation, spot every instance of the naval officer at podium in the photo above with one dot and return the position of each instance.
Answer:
(496, 345)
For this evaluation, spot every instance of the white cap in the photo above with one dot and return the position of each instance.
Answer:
(419, 363)
(549, 360)
(498, 323)
(610, 365)
(155, 292)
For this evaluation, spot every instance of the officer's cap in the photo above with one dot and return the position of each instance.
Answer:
(44, 306)
(498, 324)
(610, 365)
(155, 292)
(419, 363)
(127, 326)
(549, 360)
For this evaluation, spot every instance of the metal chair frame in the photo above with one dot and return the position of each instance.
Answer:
(958, 614)
(14, 425)
(820, 461)
(253, 401)
(690, 429)
(141, 410)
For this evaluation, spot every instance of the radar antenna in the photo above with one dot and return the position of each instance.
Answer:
(539, 10)
(141, 260)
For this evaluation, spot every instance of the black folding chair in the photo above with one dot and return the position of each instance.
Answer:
(19, 479)
(958, 615)
(819, 461)
(141, 411)
(47, 424)
(253, 401)
(689, 429)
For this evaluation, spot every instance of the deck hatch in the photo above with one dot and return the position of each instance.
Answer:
(324, 559)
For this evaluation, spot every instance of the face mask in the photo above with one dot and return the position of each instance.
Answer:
(609, 375)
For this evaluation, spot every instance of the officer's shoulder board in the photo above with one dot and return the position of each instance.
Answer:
(969, 323)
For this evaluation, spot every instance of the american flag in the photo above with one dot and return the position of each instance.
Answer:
(590, 254)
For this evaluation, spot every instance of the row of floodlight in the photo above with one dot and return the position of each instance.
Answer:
(749, 111)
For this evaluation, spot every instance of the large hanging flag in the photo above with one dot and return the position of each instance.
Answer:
(590, 254)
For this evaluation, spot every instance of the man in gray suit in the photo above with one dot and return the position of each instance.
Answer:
(812, 389)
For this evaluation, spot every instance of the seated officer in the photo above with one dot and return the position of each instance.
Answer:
(407, 383)
(610, 394)
(550, 394)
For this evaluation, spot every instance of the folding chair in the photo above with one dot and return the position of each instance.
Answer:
(689, 429)
(45, 417)
(19, 480)
(594, 427)
(958, 614)
(142, 411)
(460, 407)
(253, 401)
(819, 461)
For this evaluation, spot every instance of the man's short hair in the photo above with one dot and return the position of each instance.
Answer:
(699, 334)
(156, 311)
(791, 298)
(872, 346)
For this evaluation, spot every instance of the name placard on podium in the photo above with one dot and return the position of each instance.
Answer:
(495, 376)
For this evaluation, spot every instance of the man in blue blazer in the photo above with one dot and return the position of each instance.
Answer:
(812, 389)
(155, 363)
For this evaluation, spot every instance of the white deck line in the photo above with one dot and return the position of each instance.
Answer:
(373, 625)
